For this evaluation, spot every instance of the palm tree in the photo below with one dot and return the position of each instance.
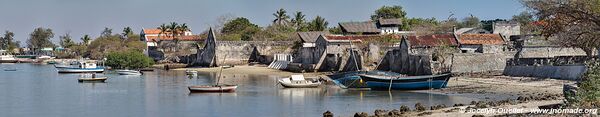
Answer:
(127, 31)
(281, 17)
(298, 20)
(163, 30)
(86, 39)
(318, 24)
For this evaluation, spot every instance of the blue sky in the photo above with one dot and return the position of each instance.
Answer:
(80, 17)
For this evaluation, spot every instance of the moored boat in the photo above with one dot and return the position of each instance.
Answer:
(298, 81)
(378, 81)
(212, 88)
(129, 72)
(6, 57)
(98, 79)
(83, 67)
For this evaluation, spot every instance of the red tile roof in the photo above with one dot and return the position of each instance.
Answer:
(483, 39)
(170, 38)
(151, 31)
(432, 40)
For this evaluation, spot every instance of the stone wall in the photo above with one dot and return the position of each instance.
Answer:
(549, 52)
(401, 61)
(243, 52)
(477, 62)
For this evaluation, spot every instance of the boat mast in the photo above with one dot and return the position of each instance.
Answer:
(221, 70)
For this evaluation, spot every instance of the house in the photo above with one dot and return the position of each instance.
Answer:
(481, 43)
(381, 26)
(151, 37)
(308, 38)
(425, 45)
(338, 53)
(506, 28)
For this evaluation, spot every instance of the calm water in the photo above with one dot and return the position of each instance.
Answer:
(38, 90)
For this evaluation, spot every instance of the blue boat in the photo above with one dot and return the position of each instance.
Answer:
(382, 80)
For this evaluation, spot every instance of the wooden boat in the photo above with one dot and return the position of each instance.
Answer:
(97, 79)
(83, 67)
(213, 88)
(129, 72)
(395, 82)
(298, 81)
(218, 88)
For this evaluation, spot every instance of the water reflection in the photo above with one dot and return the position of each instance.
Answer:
(37, 90)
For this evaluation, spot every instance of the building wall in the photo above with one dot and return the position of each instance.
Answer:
(401, 61)
(243, 52)
(549, 52)
(507, 29)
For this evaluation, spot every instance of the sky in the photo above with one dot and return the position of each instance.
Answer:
(80, 17)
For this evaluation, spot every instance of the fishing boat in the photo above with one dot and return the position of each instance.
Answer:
(93, 78)
(6, 57)
(83, 67)
(298, 81)
(61, 66)
(129, 72)
(221, 88)
(401, 82)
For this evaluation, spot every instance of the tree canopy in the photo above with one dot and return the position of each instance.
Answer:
(40, 38)
(7, 41)
(318, 24)
(129, 59)
(237, 25)
(66, 41)
(387, 12)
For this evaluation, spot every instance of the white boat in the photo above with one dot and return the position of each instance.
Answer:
(191, 72)
(6, 57)
(91, 78)
(129, 72)
(83, 67)
(298, 81)
(213, 88)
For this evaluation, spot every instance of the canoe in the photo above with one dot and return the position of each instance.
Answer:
(406, 82)
(298, 81)
(212, 88)
(98, 79)
(129, 72)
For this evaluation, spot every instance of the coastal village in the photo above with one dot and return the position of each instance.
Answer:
(510, 63)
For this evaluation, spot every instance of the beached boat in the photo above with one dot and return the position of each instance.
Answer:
(83, 67)
(129, 72)
(6, 57)
(213, 88)
(298, 81)
(401, 82)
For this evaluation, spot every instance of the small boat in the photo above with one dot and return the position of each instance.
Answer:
(213, 88)
(83, 67)
(98, 79)
(401, 82)
(10, 69)
(298, 81)
(220, 88)
(6, 57)
(191, 72)
(129, 72)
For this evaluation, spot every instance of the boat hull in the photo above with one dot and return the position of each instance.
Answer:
(408, 83)
(213, 89)
(80, 70)
(296, 85)
(9, 61)
(128, 72)
(100, 79)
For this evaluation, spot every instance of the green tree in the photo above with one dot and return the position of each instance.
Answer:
(237, 26)
(281, 17)
(525, 19)
(318, 24)
(6, 42)
(470, 21)
(336, 30)
(40, 38)
(164, 29)
(588, 93)
(86, 40)
(106, 32)
(299, 21)
(128, 60)
(389, 12)
(127, 31)
(66, 41)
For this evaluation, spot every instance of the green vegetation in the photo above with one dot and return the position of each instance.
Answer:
(588, 94)
(318, 24)
(7, 41)
(281, 17)
(66, 41)
(130, 59)
(388, 12)
(40, 38)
